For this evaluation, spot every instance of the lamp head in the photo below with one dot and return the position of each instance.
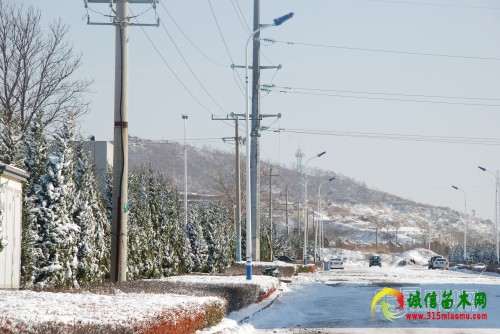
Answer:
(282, 19)
(321, 154)
(482, 168)
(331, 179)
(455, 187)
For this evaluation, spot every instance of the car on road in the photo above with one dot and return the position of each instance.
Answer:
(286, 258)
(479, 266)
(336, 263)
(375, 260)
(437, 262)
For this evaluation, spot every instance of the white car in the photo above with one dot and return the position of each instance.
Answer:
(336, 263)
(438, 262)
(479, 267)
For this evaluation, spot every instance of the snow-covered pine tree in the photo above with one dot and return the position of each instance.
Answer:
(58, 234)
(89, 213)
(35, 160)
(167, 232)
(182, 245)
(217, 231)
(199, 248)
(140, 228)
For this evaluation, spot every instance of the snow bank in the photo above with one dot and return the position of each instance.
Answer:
(43, 312)
(286, 269)
(236, 290)
(265, 283)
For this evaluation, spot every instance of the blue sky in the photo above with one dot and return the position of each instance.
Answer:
(415, 170)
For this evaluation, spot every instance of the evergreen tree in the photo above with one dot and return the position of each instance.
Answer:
(35, 152)
(58, 234)
(199, 248)
(91, 217)
(217, 231)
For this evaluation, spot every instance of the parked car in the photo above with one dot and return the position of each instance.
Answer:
(437, 262)
(271, 271)
(375, 260)
(286, 258)
(336, 263)
(479, 266)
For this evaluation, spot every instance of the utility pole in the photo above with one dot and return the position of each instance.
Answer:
(497, 212)
(233, 116)
(119, 224)
(237, 166)
(256, 117)
(237, 180)
(271, 236)
(254, 135)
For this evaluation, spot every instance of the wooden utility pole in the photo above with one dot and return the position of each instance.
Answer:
(237, 172)
(119, 224)
(119, 227)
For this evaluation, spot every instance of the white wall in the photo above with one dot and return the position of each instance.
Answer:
(10, 256)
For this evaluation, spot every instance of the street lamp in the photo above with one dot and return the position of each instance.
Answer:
(320, 222)
(465, 220)
(276, 22)
(185, 118)
(319, 155)
(497, 186)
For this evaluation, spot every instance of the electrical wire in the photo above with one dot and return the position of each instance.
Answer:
(239, 14)
(190, 40)
(172, 71)
(434, 4)
(485, 141)
(271, 85)
(193, 73)
(237, 79)
(379, 50)
(377, 98)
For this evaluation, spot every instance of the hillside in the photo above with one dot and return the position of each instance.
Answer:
(353, 209)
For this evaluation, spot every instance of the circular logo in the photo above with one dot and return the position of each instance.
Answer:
(388, 308)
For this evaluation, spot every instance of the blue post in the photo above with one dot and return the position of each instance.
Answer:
(249, 269)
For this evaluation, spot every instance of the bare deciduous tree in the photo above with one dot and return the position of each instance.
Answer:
(37, 73)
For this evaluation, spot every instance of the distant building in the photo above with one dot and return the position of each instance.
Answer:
(101, 155)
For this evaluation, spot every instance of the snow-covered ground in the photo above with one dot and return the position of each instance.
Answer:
(31, 310)
(338, 301)
(265, 283)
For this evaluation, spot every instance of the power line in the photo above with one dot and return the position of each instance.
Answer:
(239, 13)
(236, 78)
(200, 83)
(380, 50)
(266, 86)
(434, 4)
(485, 141)
(190, 41)
(376, 98)
(172, 71)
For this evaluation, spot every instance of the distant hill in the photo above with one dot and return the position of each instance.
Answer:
(352, 206)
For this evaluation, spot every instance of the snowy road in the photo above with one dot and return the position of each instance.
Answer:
(338, 302)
